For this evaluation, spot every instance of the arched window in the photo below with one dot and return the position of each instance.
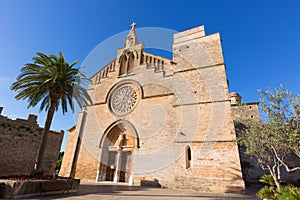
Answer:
(127, 63)
(188, 157)
(123, 65)
(130, 63)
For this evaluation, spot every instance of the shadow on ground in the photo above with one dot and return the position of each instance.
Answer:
(108, 191)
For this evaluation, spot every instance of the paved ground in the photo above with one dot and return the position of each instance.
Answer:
(106, 191)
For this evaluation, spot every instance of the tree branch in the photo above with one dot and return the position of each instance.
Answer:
(283, 163)
(296, 152)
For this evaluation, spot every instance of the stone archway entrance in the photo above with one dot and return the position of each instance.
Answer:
(118, 145)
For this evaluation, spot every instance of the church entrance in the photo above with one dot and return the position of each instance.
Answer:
(118, 160)
(110, 171)
(118, 146)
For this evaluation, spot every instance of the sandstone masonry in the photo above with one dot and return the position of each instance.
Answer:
(19, 143)
(156, 121)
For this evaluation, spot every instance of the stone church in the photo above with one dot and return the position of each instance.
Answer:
(159, 121)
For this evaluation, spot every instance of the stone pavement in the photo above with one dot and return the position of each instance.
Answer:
(109, 191)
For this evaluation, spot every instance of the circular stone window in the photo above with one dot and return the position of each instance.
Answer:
(124, 99)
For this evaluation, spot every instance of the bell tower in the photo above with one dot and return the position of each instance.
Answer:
(131, 39)
(130, 56)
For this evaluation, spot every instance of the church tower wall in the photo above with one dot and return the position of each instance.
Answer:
(163, 122)
(215, 164)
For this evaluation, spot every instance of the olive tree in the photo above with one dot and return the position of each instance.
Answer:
(276, 139)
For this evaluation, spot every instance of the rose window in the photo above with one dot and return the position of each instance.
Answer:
(123, 100)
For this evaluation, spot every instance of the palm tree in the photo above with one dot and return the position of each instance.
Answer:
(53, 82)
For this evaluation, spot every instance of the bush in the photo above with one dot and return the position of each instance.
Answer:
(284, 193)
(267, 179)
(265, 192)
(288, 192)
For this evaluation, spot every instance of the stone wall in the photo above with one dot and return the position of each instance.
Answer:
(179, 103)
(240, 110)
(70, 151)
(19, 143)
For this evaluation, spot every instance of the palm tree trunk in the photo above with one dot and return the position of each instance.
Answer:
(41, 152)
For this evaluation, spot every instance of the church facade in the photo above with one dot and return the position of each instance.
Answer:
(156, 121)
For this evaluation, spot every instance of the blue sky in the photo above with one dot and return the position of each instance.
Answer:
(261, 39)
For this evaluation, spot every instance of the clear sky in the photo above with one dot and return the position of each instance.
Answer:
(261, 38)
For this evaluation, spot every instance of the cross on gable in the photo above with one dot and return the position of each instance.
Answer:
(133, 25)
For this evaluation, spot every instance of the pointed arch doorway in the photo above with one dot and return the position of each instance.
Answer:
(118, 144)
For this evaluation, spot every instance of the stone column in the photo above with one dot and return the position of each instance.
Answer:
(118, 166)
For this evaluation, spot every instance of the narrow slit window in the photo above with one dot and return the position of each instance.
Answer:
(188, 155)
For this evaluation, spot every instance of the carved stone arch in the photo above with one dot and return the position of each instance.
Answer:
(136, 55)
(127, 53)
(123, 125)
(118, 143)
(127, 61)
(124, 55)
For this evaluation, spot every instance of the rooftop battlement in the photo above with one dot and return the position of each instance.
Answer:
(30, 121)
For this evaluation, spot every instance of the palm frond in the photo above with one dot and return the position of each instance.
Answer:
(51, 78)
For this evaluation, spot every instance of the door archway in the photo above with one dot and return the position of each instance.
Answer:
(118, 143)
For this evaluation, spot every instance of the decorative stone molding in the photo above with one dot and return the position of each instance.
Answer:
(124, 98)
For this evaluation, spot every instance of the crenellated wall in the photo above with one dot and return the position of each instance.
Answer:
(19, 143)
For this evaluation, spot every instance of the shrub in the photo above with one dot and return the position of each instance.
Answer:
(265, 192)
(267, 179)
(288, 193)
(284, 193)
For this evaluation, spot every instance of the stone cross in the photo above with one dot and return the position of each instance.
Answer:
(133, 25)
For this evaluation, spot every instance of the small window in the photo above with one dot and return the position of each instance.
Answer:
(188, 157)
